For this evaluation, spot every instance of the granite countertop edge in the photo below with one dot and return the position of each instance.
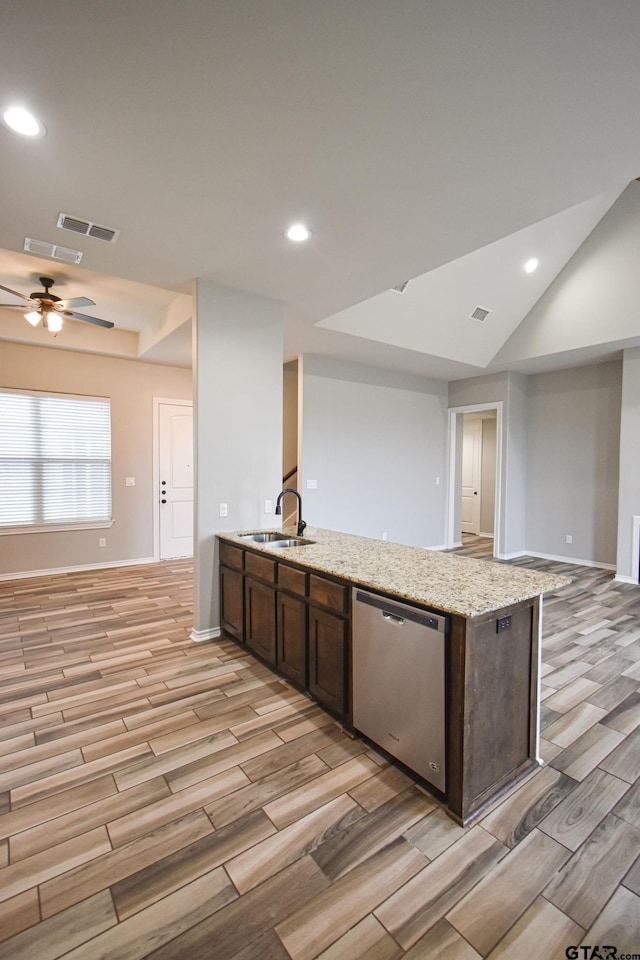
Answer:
(447, 582)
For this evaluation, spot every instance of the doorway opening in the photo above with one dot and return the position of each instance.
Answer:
(475, 472)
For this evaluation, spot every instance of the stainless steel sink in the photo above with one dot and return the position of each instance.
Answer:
(276, 539)
(262, 537)
(291, 542)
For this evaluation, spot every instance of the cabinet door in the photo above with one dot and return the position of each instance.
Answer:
(260, 619)
(327, 659)
(292, 637)
(231, 603)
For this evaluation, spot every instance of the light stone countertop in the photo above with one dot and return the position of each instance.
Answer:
(443, 581)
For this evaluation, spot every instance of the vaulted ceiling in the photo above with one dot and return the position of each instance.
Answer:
(438, 142)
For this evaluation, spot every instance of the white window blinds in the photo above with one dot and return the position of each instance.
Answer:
(55, 459)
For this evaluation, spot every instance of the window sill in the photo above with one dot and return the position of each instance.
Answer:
(56, 527)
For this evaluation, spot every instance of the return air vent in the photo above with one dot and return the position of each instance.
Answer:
(87, 228)
(480, 314)
(41, 248)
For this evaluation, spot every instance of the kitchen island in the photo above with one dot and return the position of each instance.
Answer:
(293, 608)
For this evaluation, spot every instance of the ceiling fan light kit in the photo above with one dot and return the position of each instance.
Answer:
(52, 310)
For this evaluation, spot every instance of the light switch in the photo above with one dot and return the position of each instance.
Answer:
(130, 481)
(268, 506)
(223, 510)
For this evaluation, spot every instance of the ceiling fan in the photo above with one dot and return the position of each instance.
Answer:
(50, 309)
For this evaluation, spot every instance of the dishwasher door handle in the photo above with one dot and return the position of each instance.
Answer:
(390, 618)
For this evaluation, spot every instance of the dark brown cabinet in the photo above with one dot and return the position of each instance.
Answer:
(329, 644)
(232, 603)
(231, 591)
(260, 605)
(260, 619)
(291, 620)
(328, 637)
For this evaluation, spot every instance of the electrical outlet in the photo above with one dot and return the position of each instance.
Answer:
(268, 506)
(384, 535)
(312, 484)
(130, 481)
(569, 538)
(224, 510)
(437, 481)
(504, 623)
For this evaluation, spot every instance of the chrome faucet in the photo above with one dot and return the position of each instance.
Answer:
(301, 523)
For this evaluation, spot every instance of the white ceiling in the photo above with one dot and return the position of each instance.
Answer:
(407, 135)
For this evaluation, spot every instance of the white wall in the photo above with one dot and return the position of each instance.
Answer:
(375, 443)
(131, 387)
(238, 426)
(573, 455)
(629, 485)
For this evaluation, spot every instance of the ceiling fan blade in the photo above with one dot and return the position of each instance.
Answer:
(13, 306)
(15, 293)
(84, 316)
(76, 302)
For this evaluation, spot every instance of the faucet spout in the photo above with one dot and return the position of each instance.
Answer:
(301, 523)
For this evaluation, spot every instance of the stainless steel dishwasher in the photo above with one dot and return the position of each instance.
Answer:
(398, 682)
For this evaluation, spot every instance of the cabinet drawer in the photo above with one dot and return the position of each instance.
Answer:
(295, 581)
(328, 594)
(262, 567)
(230, 556)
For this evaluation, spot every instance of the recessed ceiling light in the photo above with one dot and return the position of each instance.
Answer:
(531, 265)
(21, 121)
(298, 232)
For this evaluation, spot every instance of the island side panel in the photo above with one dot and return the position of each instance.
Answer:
(493, 686)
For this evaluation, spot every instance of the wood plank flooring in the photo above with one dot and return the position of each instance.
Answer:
(165, 799)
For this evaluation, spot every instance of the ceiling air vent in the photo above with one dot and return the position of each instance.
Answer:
(400, 288)
(480, 314)
(40, 248)
(87, 228)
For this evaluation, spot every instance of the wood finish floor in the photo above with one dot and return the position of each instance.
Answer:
(165, 799)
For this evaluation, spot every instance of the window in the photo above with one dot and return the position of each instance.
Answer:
(55, 461)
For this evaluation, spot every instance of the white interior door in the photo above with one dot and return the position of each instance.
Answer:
(471, 476)
(175, 453)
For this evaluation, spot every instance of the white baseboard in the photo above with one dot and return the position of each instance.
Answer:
(558, 559)
(25, 574)
(619, 578)
(440, 546)
(487, 536)
(200, 636)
